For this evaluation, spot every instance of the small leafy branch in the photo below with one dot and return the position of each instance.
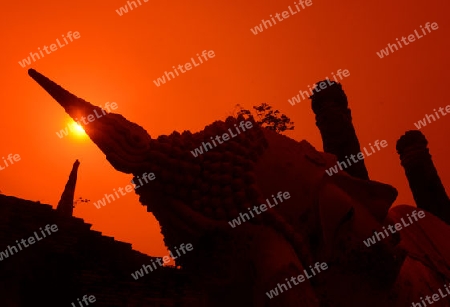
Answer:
(268, 118)
(81, 200)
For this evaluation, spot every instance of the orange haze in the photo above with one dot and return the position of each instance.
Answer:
(116, 58)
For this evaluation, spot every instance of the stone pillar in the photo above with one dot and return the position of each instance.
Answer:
(424, 182)
(65, 204)
(334, 120)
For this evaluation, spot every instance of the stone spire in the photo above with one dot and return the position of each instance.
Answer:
(424, 182)
(110, 132)
(65, 204)
(334, 120)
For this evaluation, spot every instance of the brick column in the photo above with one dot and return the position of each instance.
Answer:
(334, 120)
(424, 182)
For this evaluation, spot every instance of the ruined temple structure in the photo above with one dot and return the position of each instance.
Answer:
(423, 178)
(325, 219)
(334, 120)
(65, 204)
(75, 261)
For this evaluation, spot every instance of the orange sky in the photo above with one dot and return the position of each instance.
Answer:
(117, 58)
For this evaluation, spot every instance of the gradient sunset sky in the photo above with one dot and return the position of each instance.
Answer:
(117, 58)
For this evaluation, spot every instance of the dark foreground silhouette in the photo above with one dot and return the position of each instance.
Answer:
(325, 220)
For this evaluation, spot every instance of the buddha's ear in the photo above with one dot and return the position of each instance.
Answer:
(375, 196)
(344, 197)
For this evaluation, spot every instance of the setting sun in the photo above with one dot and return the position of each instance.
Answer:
(77, 130)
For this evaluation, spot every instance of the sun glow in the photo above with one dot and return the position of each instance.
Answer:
(77, 130)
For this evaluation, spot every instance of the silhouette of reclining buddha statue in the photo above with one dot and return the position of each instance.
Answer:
(326, 219)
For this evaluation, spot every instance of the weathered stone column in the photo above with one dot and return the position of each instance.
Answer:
(65, 204)
(334, 120)
(424, 182)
